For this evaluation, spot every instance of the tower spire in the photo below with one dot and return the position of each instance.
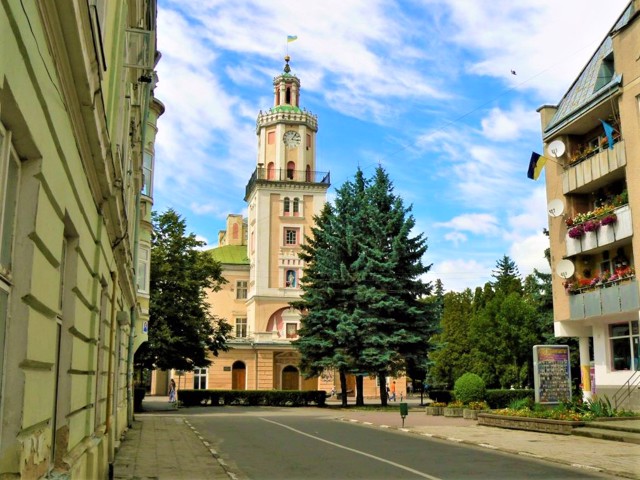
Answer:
(287, 68)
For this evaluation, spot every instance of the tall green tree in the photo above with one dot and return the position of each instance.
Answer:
(392, 321)
(507, 277)
(452, 354)
(182, 331)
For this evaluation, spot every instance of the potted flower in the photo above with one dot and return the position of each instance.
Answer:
(609, 219)
(576, 232)
(435, 408)
(590, 225)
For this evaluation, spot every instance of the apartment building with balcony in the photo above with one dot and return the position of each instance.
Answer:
(592, 140)
(77, 124)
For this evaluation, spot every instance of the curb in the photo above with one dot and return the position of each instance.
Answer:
(493, 447)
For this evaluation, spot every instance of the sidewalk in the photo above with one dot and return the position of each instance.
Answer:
(162, 445)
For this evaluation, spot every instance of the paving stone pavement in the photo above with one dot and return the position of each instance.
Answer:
(162, 444)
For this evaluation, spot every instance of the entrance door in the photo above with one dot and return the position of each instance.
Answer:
(290, 378)
(238, 376)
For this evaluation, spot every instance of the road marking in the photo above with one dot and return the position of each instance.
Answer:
(427, 434)
(487, 445)
(368, 455)
(384, 426)
(586, 467)
(454, 439)
(367, 423)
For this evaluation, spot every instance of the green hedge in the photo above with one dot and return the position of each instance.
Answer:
(276, 398)
(499, 398)
(444, 396)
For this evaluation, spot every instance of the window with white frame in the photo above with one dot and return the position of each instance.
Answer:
(199, 378)
(286, 207)
(144, 266)
(147, 172)
(625, 345)
(296, 207)
(241, 289)
(241, 327)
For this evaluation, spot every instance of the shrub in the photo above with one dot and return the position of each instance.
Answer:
(469, 388)
(501, 398)
(289, 398)
(478, 405)
(443, 396)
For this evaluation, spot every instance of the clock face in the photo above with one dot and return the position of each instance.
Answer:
(291, 139)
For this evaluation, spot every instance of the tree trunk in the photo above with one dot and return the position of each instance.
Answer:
(359, 392)
(383, 388)
(343, 387)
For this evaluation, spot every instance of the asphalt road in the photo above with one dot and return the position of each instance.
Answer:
(294, 445)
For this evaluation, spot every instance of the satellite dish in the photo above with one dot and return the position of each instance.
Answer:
(565, 268)
(555, 207)
(556, 148)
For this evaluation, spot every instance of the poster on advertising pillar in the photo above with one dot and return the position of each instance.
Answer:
(551, 373)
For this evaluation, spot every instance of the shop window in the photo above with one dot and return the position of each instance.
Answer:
(625, 340)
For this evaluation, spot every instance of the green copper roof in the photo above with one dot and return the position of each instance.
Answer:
(286, 108)
(591, 84)
(230, 254)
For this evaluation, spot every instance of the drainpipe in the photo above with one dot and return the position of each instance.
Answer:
(112, 334)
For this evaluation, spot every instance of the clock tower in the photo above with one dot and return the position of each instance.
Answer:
(283, 194)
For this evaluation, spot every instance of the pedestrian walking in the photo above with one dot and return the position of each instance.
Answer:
(393, 391)
(172, 391)
(409, 388)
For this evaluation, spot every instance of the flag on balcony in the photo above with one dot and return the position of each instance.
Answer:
(608, 131)
(535, 165)
(291, 38)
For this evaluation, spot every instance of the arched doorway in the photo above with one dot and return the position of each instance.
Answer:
(290, 378)
(239, 376)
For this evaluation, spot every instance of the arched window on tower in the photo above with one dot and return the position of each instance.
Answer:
(296, 207)
(308, 173)
(287, 206)
(291, 167)
(288, 96)
(271, 171)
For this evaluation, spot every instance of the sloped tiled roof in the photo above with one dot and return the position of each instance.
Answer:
(583, 92)
(230, 254)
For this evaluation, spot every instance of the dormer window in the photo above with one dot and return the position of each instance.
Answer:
(605, 74)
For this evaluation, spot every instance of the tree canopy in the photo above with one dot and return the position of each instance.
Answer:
(182, 330)
(362, 284)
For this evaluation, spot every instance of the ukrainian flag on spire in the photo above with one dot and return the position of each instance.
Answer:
(291, 38)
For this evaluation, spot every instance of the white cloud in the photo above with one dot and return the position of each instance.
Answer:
(502, 125)
(528, 253)
(477, 223)
(456, 237)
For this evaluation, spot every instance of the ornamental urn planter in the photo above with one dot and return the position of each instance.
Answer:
(433, 410)
(452, 411)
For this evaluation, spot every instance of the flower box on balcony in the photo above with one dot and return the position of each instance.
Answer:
(589, 240)
(606, 235)
(573, 246)
(623, 227)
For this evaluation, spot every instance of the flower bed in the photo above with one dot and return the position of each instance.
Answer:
(545, 425)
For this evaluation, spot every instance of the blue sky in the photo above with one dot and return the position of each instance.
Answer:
(423, 87)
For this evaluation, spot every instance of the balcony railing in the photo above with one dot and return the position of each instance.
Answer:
(265, 175)
(603, 162)
(616, 298)
(604, 235)
(261, 337)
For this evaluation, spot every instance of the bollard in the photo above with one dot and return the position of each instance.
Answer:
(404, 411)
